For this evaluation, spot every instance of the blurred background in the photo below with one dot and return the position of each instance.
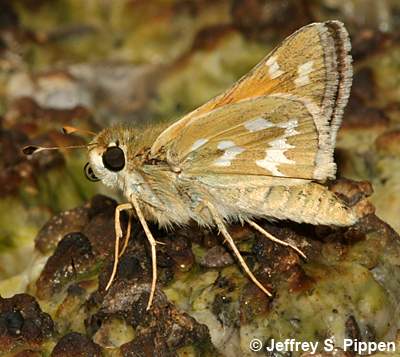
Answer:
(97, 62)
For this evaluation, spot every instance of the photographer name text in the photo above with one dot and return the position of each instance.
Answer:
(328, 345)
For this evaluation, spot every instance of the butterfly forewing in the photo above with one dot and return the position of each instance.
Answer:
(300, 90)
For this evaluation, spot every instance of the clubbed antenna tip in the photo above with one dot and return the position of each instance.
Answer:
(71, 129)
(30, 149)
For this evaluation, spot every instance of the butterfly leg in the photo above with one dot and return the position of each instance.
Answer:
(153, 244)
(118, 235)
(127, 235)
(221, 226)
(274, 239)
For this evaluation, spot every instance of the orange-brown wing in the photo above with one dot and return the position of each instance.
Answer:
(312, 66)
(269, 136)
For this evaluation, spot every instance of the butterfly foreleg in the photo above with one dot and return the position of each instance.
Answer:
(118, 235)
(221, 226)
(153, 244)
(127, 235)
(274, 239)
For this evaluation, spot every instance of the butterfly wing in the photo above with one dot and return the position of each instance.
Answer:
(269, 135)
(281, 119)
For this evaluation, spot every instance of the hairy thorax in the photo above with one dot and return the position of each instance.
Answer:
(157, 190)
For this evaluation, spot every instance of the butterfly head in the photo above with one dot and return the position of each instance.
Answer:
(108, 153)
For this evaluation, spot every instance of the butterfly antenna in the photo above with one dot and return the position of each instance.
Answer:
(34, 149)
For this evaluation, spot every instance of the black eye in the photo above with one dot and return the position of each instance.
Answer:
(90, 174)
(114, 159)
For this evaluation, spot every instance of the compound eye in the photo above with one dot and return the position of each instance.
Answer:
(90, 174)
(114, 159)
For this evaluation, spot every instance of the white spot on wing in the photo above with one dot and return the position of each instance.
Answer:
(304, 71)
(290, 127)
(231, 151)
(273, 67)
(198, 143)
(222, 145)
(258, 124)
(275, 154)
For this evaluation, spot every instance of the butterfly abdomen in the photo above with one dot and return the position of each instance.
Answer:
(308, 203)
(311, 203)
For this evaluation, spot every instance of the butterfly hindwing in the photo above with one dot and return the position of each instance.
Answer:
(271, 136)
(306, 79)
